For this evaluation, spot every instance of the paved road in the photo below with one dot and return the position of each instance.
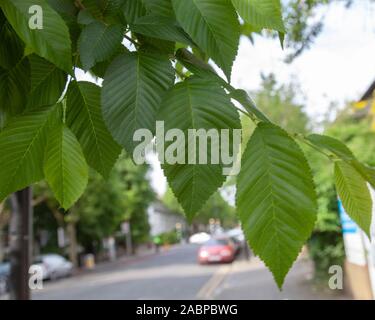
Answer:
(175, 274)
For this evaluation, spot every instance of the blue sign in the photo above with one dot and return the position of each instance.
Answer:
(348, 225)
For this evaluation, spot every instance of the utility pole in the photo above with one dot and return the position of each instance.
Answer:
(126, 230)
(20, 230)
(129, 244)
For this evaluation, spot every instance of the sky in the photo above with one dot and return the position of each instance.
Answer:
(339, 67)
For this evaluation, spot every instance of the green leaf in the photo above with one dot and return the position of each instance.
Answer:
(157, 46)
(245, 100)
(65, 167)
(47, 82)
(64, 7)
(198, 67)
(85, 17)
(205, 71)
(333, 145)
(133, 87)
(22, 145)
(276, 199)
(367, 173)
(14, 88)
(341, 151)
(68, 11)
(160, 28)
(162, 8)
(261, 13)
(196, 104)
(93, 7)
(111, 10)
(133, 9)
(12, 52)
(52, 42)
(101, 67)
(85, 119)
(214, 26)
(98, 42)
(354, 194)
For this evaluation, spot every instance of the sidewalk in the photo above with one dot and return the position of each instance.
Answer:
(252, 280)
(141, 254)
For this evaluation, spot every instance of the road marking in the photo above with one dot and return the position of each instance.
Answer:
(208, 289)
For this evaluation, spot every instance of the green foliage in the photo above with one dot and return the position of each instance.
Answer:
(326, 243)
(132, 91)
(139, 87)
(13, 51)
(47, 83)
(94, 48)
(261, 13)
(170, 237)
(106, 203)
(160, 28)
(52, 42)
(215, 208)
(354, 194)
(14, 86)
(195, 104)
(274, 175)
(203, 21)
(22, 145)
(326, 249)
(85, 119)
(65, 166)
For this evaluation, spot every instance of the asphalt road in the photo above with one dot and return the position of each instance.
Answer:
(174, 274)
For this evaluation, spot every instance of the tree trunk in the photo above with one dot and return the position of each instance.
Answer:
(20, 230)
(73, 257)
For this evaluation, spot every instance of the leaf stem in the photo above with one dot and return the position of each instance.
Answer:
(303, 139)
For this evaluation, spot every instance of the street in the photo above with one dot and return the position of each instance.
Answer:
(175, 274)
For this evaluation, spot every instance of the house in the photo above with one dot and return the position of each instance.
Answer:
(161, 219)
(366, 105)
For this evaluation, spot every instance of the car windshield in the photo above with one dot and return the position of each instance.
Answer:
(216, 242)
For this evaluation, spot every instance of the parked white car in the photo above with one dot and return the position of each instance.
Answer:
(54, 266)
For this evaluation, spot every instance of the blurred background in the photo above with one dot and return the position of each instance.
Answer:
(127, 237)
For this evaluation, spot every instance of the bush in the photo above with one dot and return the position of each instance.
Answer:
(325, 249)
(170, 237)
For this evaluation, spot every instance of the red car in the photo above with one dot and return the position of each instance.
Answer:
(217, 250)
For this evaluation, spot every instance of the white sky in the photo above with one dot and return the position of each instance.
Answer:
(339, 66)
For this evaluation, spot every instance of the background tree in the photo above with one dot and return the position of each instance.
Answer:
(105, 204)
(215, 208)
